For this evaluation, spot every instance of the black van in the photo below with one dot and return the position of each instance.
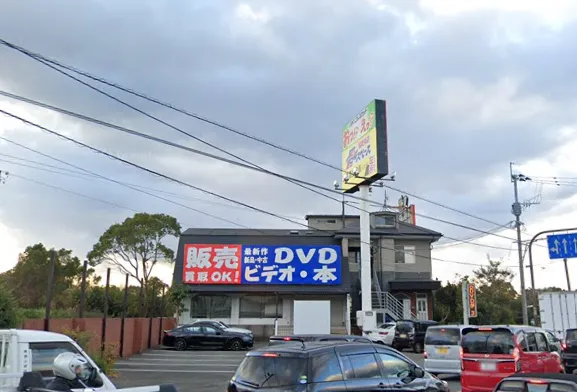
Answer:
(411, 334)
(569, 355)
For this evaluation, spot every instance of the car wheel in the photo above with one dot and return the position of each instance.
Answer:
(418, 348)
(180, 345)
(569, 370)
(235, 345)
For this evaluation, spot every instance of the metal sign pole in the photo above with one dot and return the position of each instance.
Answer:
(464, 289)
(554, 253)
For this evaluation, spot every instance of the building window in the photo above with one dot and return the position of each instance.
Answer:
(405, 254)
(259, 307)
(210, 306)
(354, 255)
(385, 221)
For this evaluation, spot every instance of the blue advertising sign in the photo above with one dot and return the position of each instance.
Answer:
(291, 264)
(562, 246)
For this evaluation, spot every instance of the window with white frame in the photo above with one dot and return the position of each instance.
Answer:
(384, 221)
(252, 306)
(405, 254)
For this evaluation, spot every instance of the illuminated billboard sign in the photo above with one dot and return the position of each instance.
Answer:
(261, 264)
(365, 148)
(472, 296)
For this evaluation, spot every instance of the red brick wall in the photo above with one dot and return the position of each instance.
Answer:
(135, 331)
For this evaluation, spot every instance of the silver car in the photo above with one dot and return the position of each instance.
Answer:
(443, 349)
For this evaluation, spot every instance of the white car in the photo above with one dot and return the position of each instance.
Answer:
(384, 334)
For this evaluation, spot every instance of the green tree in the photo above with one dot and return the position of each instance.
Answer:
(28, 278)
(8, 308)
(448, 306)
(497, 300)
(137, 245)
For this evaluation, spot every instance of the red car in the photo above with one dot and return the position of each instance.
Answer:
(491, 353)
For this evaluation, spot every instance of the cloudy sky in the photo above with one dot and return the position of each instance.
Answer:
(470, 86)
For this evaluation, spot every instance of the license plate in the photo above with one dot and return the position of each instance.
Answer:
(403, 335)
(442, 350)
(488, 366)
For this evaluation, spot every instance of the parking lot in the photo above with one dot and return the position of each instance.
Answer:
(195, 370)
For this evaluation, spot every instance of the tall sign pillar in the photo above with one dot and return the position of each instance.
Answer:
(364, 161)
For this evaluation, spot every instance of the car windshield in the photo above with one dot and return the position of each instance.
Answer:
(223, 324)
(386, 326)
(272, 371)
(571, 334)
(443, 336)
(498, 341)
(405, 326)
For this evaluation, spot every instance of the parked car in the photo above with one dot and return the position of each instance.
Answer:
(284, 339)
(221, 325)
(411, 334)
(443, 349)
(538, 382)
(491, 353)
(569, 353)
(207, 336)
(384, 334)
(329, 366)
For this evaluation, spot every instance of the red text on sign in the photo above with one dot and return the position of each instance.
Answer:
(212, 264)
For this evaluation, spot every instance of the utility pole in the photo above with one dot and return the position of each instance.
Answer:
(517, 209)
(567, 274)
(465, 296)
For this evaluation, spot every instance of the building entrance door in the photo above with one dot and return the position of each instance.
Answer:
(407, 308)
(422, 307)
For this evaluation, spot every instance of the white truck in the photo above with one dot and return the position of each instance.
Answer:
(26, 358)
(558, 311)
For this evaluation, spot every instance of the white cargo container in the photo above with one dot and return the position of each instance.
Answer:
(558, 311)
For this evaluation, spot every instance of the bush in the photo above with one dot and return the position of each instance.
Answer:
(9, 317)
(105, 361)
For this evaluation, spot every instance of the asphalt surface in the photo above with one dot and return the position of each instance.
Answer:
(197, 370)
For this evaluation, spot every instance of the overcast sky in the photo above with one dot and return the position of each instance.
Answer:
(470, 86)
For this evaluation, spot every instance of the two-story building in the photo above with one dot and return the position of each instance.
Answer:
(251, 277)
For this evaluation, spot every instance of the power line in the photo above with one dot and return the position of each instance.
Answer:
(85, 176)
(52, 63)
(104, 177)
(243, 165)
(169, 178)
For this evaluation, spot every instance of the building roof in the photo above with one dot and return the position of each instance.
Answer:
(340, 216)
(402, 229)
(257, 232)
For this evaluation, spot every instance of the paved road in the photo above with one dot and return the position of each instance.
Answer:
(199, 371)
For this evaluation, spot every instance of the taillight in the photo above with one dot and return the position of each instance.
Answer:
(517, 357)
(383, 333)
(286, 339)
(269, 355)
(425, 355)
(537, 382)
(461, 357)
(516, 354)
(563, 346)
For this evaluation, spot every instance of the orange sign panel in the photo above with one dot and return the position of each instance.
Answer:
(472, 295)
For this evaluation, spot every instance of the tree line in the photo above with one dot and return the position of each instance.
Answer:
(497, 300)
(133, 247)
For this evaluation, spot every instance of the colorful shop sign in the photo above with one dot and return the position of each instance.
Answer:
(262, 264)
(365, 147)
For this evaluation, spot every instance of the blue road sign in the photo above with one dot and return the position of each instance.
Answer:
(562, 246)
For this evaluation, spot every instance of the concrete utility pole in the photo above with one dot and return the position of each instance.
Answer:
(517, 209)
(465, 302)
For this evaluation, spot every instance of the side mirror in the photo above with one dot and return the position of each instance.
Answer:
(418, 372)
